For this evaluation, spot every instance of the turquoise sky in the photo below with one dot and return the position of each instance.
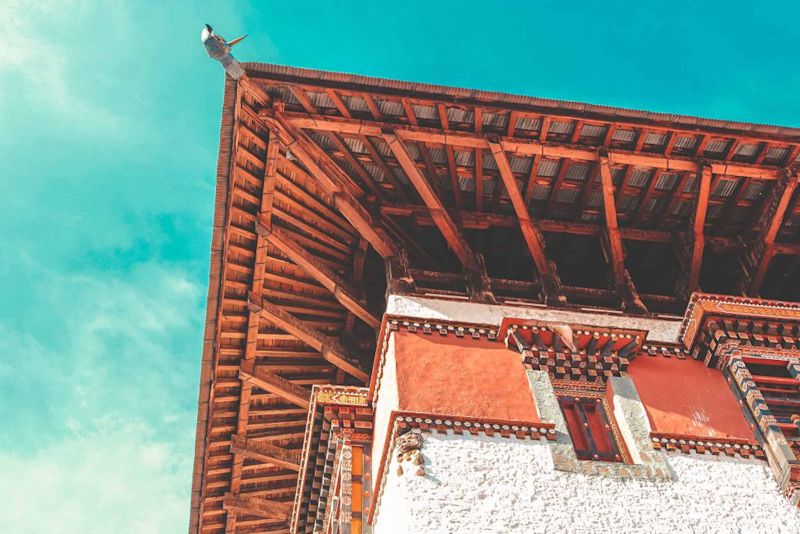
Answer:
(109, 123)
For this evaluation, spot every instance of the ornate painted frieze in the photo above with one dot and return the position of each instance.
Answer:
(706, 445)
(576, 352)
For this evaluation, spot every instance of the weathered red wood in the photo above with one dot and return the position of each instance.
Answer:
(698, 243)
(450, 231)
(343, 292)
(529, 148)
(330, 348)
(265, 452)
(622, 279)
(530, 233)
(329, 177)
(761, 246)
(273, 383)
(259, 506)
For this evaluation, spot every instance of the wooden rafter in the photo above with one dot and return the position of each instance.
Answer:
(586, 191)
(258, 506)
(387, 172)
(622, 280)
(641, 211)
(530, 233)
(342, 290)
(521, 147)
(699, 222)
(265, 452)
(274, 383)
(256, 287)
(483, 221)
(451, 232)
(760, 248)
(479, 179)
(451, 158)
(556, 187)
(330, 177)
(330, 348)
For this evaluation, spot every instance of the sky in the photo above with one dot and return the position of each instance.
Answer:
(109, 129)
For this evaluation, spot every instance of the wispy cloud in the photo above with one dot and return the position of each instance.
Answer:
(40, 64)
(105, 442)
(120, 479)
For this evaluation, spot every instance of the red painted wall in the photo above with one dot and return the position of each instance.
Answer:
(686, 397)
(447, 375)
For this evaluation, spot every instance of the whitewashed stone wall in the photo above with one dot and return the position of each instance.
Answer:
(502, 485)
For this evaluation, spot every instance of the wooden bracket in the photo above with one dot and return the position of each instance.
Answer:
(330, 348)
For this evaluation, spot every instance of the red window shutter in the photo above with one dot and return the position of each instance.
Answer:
(590, 428)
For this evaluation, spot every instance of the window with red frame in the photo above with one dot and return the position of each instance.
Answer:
(590, 427)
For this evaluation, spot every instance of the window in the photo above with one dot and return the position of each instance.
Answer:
(594, 433)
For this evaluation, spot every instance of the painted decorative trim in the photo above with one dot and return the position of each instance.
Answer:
(349, 420)
(701, 304)
(706, 445)
(782, 460)
(461, 425)
(665, 350)
(443, 328)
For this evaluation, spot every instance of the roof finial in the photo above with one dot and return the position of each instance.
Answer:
(220, 49)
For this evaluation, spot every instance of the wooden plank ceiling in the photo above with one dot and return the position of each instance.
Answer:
(325, 178)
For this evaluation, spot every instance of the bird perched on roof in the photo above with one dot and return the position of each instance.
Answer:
(564, 331)
(220, 49)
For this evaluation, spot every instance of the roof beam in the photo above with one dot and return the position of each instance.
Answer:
(522, 147)
(259, 506)
(330, 348)
(273, 383)
(265, 452)
(760, 248)
(332, 179)
(483, 221)
(622, 279)
(699, 222)
(534, 239)
(441, 217)
(342, 291)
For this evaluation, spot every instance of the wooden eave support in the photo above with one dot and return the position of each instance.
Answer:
(622, 280)
(398, 276)
(524, 147)
(273, 383)
(473, 265)
(331, 178)
(442, 219)
(257, 506)
(330, 348)
(698, 239)
(757, 256)
(533, 237)
(265, 452)
(342, 291)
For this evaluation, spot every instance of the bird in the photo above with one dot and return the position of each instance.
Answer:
(218, 48)
(564, 331)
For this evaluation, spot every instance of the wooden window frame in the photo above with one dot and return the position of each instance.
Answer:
(590, 443)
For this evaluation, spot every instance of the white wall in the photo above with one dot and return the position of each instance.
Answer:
(482, 484)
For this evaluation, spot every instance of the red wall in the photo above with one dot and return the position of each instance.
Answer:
(686, 397)
(447, 375)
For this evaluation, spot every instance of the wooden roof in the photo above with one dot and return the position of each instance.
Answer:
(328, 184)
